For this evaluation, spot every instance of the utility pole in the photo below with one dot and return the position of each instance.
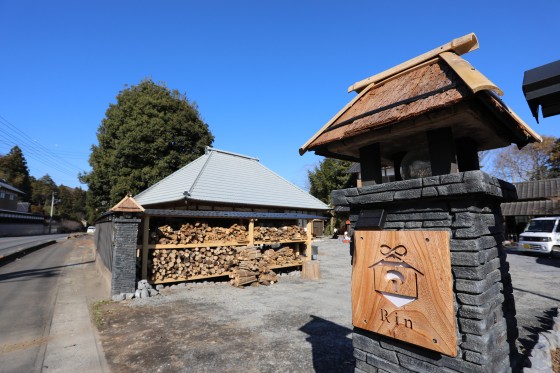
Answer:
(52, 208)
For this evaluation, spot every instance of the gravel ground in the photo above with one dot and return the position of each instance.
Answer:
(294, 325)
(536, 280)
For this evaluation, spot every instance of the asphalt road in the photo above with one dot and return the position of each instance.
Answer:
(28, 289)
(10, 245)
(536, 280)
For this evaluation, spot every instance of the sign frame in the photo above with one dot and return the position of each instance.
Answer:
(402, 287)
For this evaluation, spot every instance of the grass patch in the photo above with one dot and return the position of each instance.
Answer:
(98, 311)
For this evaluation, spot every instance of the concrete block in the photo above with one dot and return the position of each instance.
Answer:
(429, 192)
(497, 335)
(416, 365)
(386, 365)
(476, 273)
(437, 223)
(477, 287)
(473, 259)
(407, 194)
(430, 181)
(451, 178)
(365, 367)
(359, 354)
(482, 311)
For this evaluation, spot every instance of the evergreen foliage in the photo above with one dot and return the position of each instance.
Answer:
(329, 175)
(13, 169)
(149, 133)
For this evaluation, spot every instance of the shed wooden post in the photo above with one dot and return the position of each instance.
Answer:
(309, 240)
(251, 232)
(310, 268)
(145, 241)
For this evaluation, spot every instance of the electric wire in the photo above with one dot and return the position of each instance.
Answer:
(33, 150)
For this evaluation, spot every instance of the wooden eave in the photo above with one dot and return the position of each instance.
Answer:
(127, 204)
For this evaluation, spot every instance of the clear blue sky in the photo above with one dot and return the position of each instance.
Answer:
(266, 75)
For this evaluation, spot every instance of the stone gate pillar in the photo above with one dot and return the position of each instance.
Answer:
(125, 240)
(467, 205)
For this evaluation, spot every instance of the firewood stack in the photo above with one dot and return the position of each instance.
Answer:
(199, 233)
(180, 264)
(285, 233)
(244, 265)
(254, 265)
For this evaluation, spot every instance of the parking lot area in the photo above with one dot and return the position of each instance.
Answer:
(536, 284)
(294, 325)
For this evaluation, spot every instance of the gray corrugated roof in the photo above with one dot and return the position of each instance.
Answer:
(538, 189)
(224, 177)
(531, 208)
(230, 214)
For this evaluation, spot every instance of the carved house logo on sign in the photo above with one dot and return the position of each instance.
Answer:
(395, 279)
(402, 287)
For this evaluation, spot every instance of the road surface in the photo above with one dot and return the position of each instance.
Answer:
(11, 245)
(28, 289)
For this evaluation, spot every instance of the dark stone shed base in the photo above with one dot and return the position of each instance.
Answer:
(468, 205)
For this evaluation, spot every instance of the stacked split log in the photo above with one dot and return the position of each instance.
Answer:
(182, 264)
(285, 233)
(244, 265)
(199, 233)
(254, 265)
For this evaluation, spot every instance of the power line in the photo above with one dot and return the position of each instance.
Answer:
(35, 151)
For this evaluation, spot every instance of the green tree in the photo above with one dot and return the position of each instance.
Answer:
(532, 162)
(13, 169)
(150, 132)
(41, 196)
(329, 175)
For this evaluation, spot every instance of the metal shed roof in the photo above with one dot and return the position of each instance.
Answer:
(538, 189)
(531, 208)
(229, 214)
(224, 177)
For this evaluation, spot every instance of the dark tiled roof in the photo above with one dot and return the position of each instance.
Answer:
(354, 169)
(7, 186)
(531, 208)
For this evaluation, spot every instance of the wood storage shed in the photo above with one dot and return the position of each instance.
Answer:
(225, 214)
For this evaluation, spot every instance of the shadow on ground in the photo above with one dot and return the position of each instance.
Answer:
(36, 273)
(331, 345)
(545, 324)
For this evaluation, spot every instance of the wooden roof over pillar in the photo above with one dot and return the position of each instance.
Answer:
(127, 204)
(437, 89)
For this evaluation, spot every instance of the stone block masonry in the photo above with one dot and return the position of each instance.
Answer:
(123, 276)
(468, 206)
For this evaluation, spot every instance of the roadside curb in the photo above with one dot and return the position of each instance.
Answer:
(23, 252)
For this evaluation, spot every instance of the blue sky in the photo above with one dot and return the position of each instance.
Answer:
(265, 75)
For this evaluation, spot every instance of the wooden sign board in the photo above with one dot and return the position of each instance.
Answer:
(402, 287)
